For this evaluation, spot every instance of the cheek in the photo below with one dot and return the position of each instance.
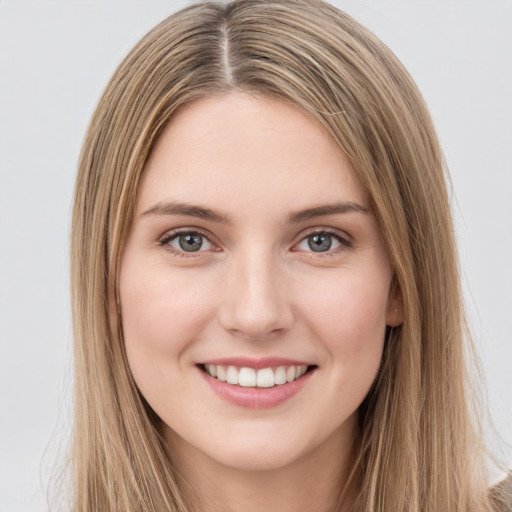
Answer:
(162, 312)
(350, 309)
(347, 316)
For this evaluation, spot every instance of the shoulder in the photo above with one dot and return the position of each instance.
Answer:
(501, 494)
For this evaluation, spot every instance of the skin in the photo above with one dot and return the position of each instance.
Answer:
(255, 289)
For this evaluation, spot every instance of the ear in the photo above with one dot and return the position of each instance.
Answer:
(395, 306)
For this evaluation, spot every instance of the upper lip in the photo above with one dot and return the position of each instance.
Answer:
(256, 363)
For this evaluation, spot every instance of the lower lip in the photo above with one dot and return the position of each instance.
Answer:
(257, 398)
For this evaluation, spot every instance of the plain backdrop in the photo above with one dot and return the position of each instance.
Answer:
(55, 60)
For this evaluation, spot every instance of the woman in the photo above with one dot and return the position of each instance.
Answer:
(266, 297)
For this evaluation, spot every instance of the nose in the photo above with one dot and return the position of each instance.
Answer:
(256, 304)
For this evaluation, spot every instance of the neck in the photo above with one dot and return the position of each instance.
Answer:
(315, 481)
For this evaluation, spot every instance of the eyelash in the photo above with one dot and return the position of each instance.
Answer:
(172, 235)
(345, 243)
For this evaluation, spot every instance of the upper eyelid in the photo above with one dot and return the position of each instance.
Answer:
(304, 233)
(329, 230)
(171, 233)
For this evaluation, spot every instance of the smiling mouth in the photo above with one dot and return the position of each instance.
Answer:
(261, 378)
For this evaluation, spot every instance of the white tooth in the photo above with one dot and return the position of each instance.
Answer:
(221, 373)
(232, 375)
(212, 369)
(301, 370)
(247, 377)
(265, 378)
(280, 375)
(290, 374)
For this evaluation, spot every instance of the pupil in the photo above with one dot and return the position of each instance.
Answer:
(320, 242)
(190, 242)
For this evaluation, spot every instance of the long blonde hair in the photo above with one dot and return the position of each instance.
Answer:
(421, 446)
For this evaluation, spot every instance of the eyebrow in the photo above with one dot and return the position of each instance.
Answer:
(328, 209)
(190, 210)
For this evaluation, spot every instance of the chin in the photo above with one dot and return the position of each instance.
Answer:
(269, 457)
(245, 447)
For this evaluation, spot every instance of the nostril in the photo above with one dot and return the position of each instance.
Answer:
(254, 334)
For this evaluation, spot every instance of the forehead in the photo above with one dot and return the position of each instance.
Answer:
(240, 150)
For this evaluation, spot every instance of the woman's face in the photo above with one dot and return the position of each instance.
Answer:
(253, 257)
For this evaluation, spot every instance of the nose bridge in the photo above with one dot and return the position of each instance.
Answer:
(255, 302)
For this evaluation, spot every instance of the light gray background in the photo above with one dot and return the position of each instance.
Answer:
(55, 59)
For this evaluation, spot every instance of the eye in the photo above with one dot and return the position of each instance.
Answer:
(323, 242)
(186, 242)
